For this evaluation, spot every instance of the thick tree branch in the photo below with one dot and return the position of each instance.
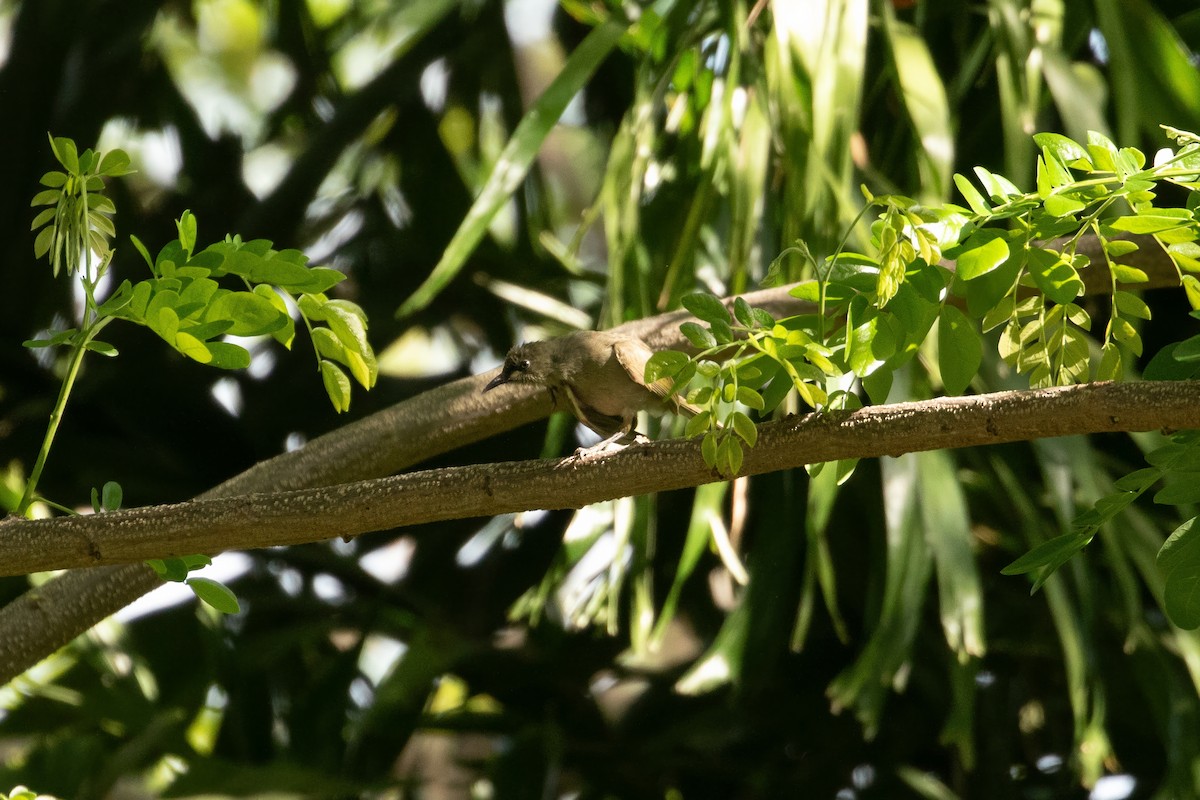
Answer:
(296, 517)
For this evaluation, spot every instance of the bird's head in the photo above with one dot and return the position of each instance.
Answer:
(525, 363)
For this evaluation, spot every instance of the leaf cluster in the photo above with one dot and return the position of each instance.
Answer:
(745, 361)
(186, 305)
(79, 218)
(1018, 268)
(1178, 464)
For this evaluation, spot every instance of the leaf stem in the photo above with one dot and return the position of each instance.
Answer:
(56, 415)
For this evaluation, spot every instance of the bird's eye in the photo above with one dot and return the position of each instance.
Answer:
(524, 365)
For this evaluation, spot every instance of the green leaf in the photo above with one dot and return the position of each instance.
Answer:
(762, 318)
(743, 313)
(744, 427)
(1186, 255)
(284, 274)
(698, 424)
(169, 569)
(208, 330)
(1181, 549)
(47, 197)
(327, 345)
(1163, 219)
(56, 338)
(1179, 561)
(1048, 557)
(1052, 173)
(1102, 151)
(215, 594)
(111, 496)
(1191, 287)
(337, 385)
(186, 224)
(698, 335)
(708, 448)
(141, 248)
(514, 161)
(1058, 205)
(809, 291)
(1109, 368)
(250, 313)
(1116, 248)
(114, 164)
(722, 331)
(1066, 150)
(54, 179)
(960, 350)
(1057, 279)
(321, 279)
(162, 318)
(312, 306)
(1131, 305)
(1127, 335)
(707, 308)
(1139, 480)
(750, 398)
(101, 348)
(1181, 597)
(42, 218)
(980, 254)
(1179, 492)
(1126, 274)
(1188, 349)
(347, 321)
(664, 364)
(41, 245)
(729, 456)
(66, 153)
(192, 347)
(998, 187)
(971, 195)
(226, 355)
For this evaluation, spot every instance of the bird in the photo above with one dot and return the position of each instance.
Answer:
(602, 374)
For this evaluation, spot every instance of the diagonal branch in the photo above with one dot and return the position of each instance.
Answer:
(299, 516)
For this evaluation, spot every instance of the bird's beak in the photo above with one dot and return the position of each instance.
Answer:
(496, 381)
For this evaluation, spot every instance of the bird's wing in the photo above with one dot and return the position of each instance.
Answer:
(632, 354)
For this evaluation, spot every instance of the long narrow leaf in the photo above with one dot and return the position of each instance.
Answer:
(514, 163)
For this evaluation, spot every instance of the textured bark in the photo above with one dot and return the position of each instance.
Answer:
(347, 509)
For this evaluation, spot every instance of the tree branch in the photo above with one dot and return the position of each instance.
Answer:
(48, 617)
(299, 516)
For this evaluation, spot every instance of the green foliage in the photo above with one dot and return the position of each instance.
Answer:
(1017, 266)
(185, 304)
(78, 222)
(757, 354)
(715, 137)
(1177, 462)
(512, 166)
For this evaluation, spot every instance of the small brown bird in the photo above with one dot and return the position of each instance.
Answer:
(602, 375)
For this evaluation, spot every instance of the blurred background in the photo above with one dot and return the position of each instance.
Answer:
(781, 636)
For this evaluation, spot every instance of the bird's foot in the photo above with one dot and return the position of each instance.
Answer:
(612, 444)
